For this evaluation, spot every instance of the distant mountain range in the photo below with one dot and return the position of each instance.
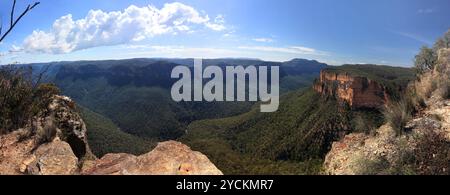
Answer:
(134, 94)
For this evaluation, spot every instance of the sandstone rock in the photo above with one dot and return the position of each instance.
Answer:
(13, 153)
(51, 144)
(71, 127)
(55, 158)
(19, 157)
(358, 92)
(168, 158)
(26, 163)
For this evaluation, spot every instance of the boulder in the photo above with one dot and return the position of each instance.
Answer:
(55, 158)
(168, 158)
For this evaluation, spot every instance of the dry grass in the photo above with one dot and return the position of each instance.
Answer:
(444, 88)
(46, 133)
(397, 114)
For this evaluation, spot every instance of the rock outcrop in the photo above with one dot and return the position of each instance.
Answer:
(54, 158)
(52, 144)
(359, 153)
(423, 149)
(168, 158)
(55, 143)
(358, 92)
(355, 153)
(69, 125)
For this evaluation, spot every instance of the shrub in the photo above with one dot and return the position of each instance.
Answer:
(22, 97)
(444, 88)
(415, 97)
(425, 60)
(15, 93)
(44, 93)
(376, 166)
(360, 125)
(432, 156)
(397, 114)
(46, 133)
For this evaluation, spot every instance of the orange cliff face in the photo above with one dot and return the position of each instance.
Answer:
(358, 92)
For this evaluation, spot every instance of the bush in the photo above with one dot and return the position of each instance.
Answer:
(15, 90)
(44, 93)
(415, 96)
(444, 88)
(46, 133)
(425, 60)
(432, 156)
(397, 114)
(22, 97)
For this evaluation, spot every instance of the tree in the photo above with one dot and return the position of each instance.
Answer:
(440, 43)
(13, 21)
(425, 60)
(22, 95)
(443, 42)
(446, 39)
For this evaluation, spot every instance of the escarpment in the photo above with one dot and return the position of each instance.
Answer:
(357, 91)
(55, 143)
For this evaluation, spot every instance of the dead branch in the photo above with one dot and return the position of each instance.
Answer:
(13, 21)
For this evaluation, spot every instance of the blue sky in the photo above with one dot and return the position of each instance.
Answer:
(336, 32)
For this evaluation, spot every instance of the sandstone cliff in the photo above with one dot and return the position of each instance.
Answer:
(358, 92)
(59, 146)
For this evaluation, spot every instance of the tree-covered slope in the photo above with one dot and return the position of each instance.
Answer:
(105, 137)
(300, 131)
(136, 95)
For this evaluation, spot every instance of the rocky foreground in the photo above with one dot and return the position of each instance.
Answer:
(425, 145)
(359, 153)
(56, 144)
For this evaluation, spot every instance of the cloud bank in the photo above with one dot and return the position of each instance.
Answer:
(134, 23)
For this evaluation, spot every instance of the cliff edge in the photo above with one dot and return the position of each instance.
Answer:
(357, 91)
(55, 143)
(422, 148)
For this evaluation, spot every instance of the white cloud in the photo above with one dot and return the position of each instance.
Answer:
(264, 40)
(229, 33)
(134, 23)
(15, 48)
(218, 24)
(292, 50)
(425, 11)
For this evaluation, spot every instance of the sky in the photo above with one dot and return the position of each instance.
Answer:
(335, 32)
